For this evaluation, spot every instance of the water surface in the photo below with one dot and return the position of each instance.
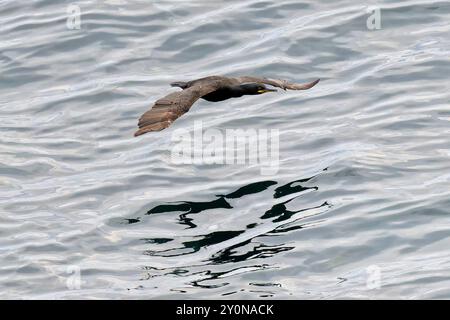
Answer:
(362, 191)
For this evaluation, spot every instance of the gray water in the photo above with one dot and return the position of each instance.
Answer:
(359, 207)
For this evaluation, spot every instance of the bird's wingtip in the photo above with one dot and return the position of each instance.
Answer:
(312, 84)
(141, 131)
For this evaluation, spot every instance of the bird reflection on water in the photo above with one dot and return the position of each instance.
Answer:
(188, 209)
(231, 246)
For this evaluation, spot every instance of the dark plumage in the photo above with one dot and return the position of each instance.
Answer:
(215, 88)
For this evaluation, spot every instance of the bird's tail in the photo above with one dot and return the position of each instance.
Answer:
(181, 84)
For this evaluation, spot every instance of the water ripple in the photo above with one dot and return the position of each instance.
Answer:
(364, 171)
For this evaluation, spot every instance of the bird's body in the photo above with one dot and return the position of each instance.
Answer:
(221, 95)
(229, 88)
(214, 89)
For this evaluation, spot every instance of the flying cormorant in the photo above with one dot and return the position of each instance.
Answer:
(215, 88)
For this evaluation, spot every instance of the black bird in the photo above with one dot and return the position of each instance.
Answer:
(215, 88)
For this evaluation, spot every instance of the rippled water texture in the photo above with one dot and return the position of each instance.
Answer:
(358, 209)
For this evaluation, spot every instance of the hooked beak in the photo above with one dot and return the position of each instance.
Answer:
(267, 90)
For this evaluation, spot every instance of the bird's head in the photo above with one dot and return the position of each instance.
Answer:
(255, 88)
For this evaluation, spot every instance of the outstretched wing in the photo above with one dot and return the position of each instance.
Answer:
(279, 83)
(166, 110)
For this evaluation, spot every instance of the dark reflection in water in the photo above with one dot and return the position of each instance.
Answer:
(258, 251)
(210, 276)
(191, 208)
(233, 247)
(250, 189)
(290, 188)
(157, 240)
(278, 213)
(196, 245)
(282, 213)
